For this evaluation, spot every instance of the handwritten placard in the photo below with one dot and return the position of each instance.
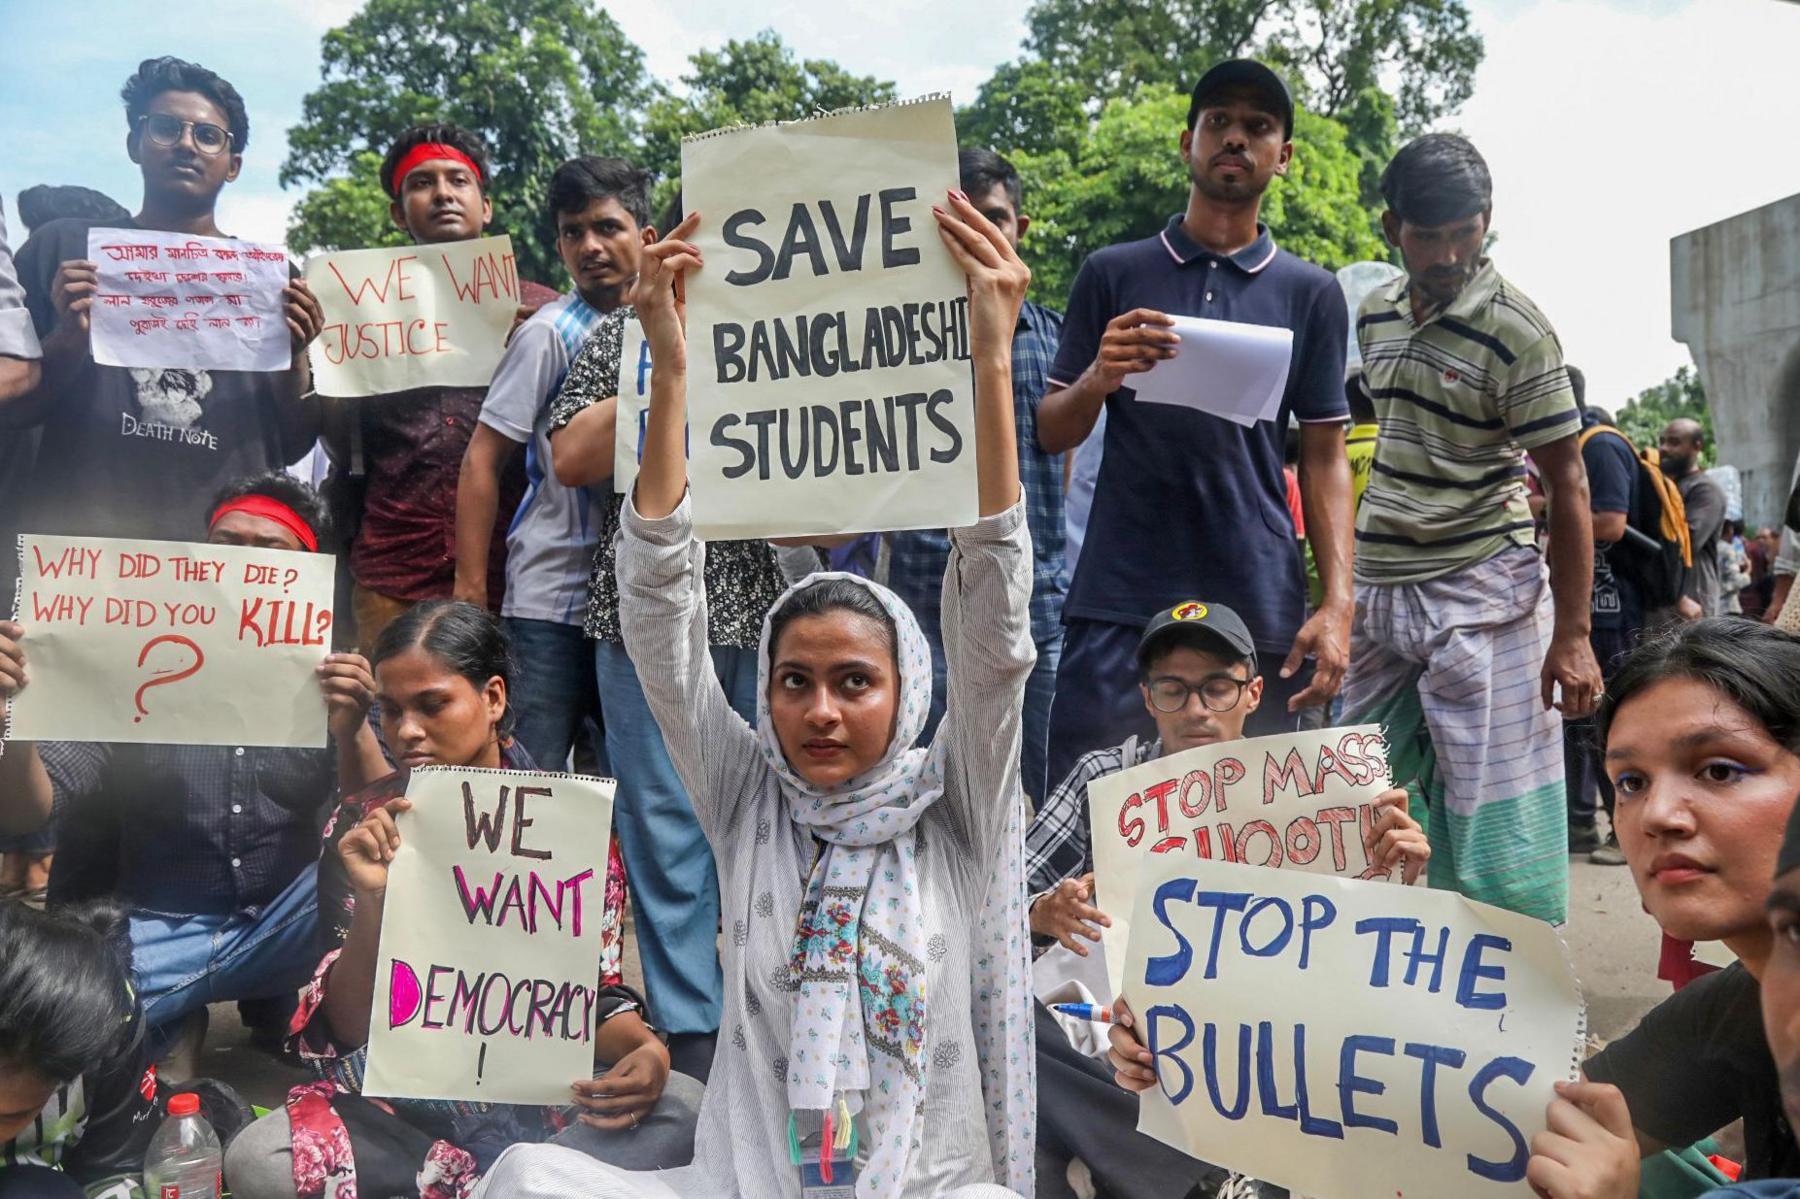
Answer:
(1300, 801)
(828, 336)
(171, 643)
(412, 316)
(489, 966)
(204, 303)
(1339, 1037)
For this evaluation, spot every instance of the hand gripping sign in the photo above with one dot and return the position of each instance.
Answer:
(828, 335)
(171, 643)
(1345, 1038)
(488, 972)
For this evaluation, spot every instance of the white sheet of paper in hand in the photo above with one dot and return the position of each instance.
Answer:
(1227, 368)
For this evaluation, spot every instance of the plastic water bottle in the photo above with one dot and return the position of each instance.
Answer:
(184, 1158)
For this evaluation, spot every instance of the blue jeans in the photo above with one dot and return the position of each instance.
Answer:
(183, 963)
(668, 863)
(1034, 732)
(555, 692)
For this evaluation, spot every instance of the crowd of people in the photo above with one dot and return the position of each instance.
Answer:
(826, 777)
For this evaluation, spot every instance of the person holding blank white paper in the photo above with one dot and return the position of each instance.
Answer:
(876, 996)
(1189, 502)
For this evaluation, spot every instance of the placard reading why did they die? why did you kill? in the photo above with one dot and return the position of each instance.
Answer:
(171, 643)
(828, 333)
(1347, 1038)
(488, 974)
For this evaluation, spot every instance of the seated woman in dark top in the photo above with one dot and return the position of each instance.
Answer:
(442, 677)
(1701, 739)
(77, 1095)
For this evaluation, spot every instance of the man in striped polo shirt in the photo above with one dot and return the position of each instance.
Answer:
(1460, 646)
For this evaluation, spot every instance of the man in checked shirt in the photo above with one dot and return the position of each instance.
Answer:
(1198, 675)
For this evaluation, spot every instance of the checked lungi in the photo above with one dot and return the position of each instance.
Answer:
(1450, 669)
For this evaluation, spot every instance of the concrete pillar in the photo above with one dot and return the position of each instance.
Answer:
(1736, 305)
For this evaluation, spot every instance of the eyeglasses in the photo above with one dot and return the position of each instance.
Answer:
(1219, 692)
(167, 132)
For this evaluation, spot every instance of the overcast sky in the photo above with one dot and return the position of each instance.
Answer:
(1611, 125)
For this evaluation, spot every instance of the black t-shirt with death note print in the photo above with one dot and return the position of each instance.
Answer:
(140, 453)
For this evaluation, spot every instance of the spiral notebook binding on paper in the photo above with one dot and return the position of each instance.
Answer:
(818, 114)
(536, 774)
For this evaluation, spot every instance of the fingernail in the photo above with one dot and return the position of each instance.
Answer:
(937, 210)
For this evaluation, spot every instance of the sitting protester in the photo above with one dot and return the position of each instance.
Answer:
(211, 847)
(443, 677)
(876, 991)
(1197, 670)
(77, 1092)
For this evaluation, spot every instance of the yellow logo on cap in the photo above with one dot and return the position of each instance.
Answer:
(1189, 611)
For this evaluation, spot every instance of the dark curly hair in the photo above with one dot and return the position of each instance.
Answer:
(580, 181)
(283, 487)
(158, 75)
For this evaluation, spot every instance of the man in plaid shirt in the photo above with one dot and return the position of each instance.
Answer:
(1198, 675)
(916, 559)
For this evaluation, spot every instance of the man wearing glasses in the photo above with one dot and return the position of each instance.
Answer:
(1197, 672)
(136, 453)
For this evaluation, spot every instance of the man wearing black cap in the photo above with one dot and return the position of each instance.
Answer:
(1461, 645)
(1198, 683)
(1187, 501)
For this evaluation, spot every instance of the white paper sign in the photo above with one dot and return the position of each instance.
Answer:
(1346, 1039)
(1227, 368)
(634, 406)
(489, 966)
(828, 335)
(204, 303)
(172, 643)
(412, 316)
(1299, 801)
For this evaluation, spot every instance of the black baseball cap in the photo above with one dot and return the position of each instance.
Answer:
(1252, 75)
(1216, 621)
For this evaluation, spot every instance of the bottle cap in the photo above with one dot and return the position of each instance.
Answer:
(185, 1104)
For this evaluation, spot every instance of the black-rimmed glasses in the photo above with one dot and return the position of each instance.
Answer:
(167, 132)
(1219, 692)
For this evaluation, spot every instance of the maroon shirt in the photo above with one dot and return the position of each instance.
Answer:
(412, 451)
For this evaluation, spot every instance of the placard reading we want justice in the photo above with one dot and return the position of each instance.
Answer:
(487, 977)
(412, 316)
(1343, 1038)
(828, 335)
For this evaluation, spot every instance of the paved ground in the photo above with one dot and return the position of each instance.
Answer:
(1611, 941)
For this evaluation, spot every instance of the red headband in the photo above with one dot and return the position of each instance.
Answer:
(269, 508)
(425, 152)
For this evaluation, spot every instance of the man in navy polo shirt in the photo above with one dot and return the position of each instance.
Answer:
(1188, 503)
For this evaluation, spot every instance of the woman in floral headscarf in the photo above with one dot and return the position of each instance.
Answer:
(873, 891)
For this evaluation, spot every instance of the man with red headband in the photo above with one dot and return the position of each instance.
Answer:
(129, 452)
(212, 847)
(397, 457)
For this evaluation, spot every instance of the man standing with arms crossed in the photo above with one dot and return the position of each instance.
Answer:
(1454, 650)
(1188, 503)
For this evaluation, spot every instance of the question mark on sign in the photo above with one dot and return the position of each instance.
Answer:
(162, 678)
(288, 578)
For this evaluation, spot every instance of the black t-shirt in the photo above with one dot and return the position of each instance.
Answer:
(1699, 1061)
(1612, 471)
(140, 453)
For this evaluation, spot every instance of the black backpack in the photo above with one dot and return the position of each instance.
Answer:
(1656, 553)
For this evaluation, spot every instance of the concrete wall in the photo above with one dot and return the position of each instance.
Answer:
(1736, 305)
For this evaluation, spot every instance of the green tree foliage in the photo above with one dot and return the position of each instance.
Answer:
(539, 80)
(1123, 177)
(1642, 419)
(747, 82)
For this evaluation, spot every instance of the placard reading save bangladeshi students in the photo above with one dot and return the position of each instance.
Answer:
(171, 643)
(173, 300)
(412, 316)
(1344, 1038)
(489, 967)
(1300, 801)
(828, 334)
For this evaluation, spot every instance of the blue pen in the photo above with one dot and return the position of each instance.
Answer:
(1098, 1013)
